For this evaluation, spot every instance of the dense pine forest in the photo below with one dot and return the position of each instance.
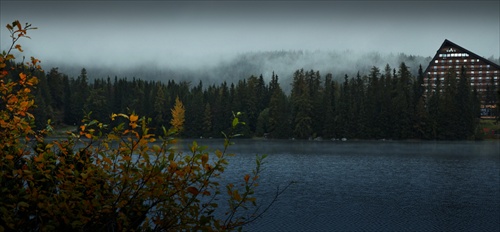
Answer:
(388, 103)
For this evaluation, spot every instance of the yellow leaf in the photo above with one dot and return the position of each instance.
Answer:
(23, 204)
(127, 158)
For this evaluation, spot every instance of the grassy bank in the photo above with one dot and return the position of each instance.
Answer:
(490, 128)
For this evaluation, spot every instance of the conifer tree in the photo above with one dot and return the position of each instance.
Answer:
(302, 106)
(279, 120)
(329, 99)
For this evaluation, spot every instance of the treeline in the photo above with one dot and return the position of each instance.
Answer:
(384, 104)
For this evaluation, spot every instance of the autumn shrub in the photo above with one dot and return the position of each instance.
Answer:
(113, 179)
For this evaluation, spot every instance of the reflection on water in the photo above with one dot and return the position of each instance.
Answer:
(374, 186)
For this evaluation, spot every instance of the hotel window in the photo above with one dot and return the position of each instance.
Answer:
(450, 61)
(488, 66)
(471, 72)
(496, 78)
(477, 60)
(442, 73)
(471, 83)
(487, 72)
(472, 78)
(480, 72)
(435, 67)
(465, 60)
(496, 71)
(435, 73)
(480, 78)
(457, 67)
(480, 66)
(442, 66)
(457, 61)
(472, 60)
(436, 61)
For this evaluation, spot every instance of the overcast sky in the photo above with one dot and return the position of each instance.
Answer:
(187, 33)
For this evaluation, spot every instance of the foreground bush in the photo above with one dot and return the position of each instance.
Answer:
(101, 178)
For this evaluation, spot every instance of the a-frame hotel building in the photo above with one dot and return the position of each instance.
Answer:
(483, 74)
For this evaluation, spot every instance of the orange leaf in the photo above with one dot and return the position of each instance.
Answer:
(9, 157)
(173, 165)
(107, 160)
(204, 159)
(193, 190)
(133, 125)
(133, 118)
(24, 104)
(247, 177)
(34, 60)
(18, 47)
(236, 195)
(12, 100)
(22, 76)
(18, 24)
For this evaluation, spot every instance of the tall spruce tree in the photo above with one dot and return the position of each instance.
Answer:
(302, 106)
(279, 112)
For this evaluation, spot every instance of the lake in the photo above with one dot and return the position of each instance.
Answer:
(373, 185)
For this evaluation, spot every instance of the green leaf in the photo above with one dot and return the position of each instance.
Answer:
(156, 148)
(235, 122)
(23, 204)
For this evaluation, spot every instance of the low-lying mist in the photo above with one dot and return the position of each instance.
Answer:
(240, 66)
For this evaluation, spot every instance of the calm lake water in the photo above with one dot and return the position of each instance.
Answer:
(373, 186)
